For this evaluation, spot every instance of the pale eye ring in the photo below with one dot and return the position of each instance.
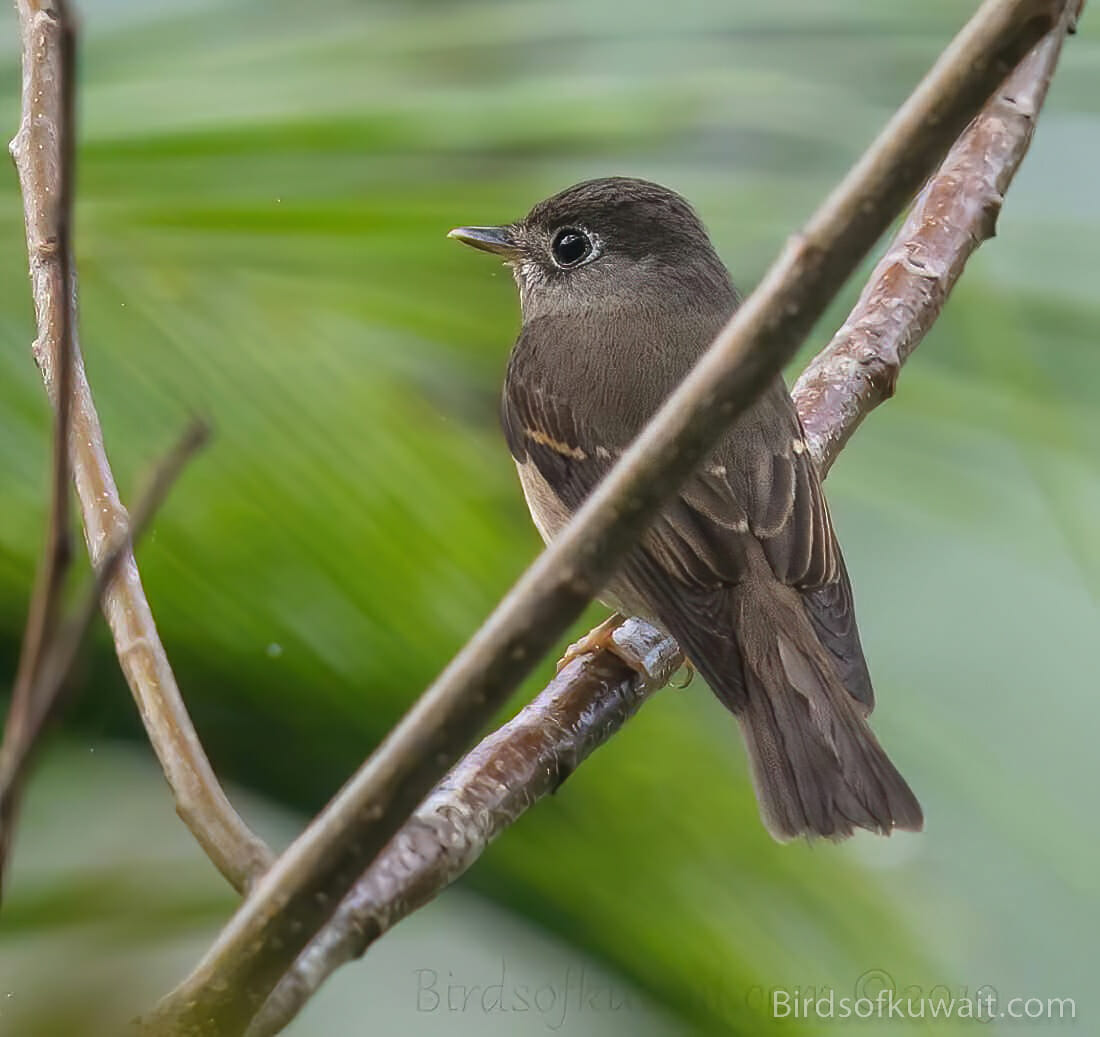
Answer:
(571, 247)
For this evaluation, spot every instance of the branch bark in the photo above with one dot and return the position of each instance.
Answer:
(511, 769)
(955, 213)
(37, 150)
(491, 788)
(301, 891)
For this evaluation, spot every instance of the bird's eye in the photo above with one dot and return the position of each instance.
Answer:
(571, 246)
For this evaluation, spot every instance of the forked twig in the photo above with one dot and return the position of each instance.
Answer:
(295, 898)
(59, 654)
(38, 150)
(511, 769)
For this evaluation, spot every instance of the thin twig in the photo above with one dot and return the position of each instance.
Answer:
(149, 502)
(60, 654)
(43, 616)
(200, 801)
(514, 767)
(300, 892)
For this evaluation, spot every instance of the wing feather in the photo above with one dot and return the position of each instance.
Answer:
(759, 487)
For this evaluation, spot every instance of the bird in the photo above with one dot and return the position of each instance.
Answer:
(621, 291)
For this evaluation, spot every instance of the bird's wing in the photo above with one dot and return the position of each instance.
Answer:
(757, 486)
(543, 429)
(765, 478)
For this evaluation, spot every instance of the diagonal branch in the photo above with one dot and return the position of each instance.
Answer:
(489, 789)
(907, 289)
(511, 769)
(300, 892)
(38, 153)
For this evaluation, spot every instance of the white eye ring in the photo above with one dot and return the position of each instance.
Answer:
(572, 246)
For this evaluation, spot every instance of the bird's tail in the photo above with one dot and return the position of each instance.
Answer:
(817, 767)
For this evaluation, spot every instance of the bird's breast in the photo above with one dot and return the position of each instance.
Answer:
(546, 508)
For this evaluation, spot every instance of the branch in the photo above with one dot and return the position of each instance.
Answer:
(38, 153)
(511, 769)
(46, 690)
(491, 788)
(300, 892)
(955, 213)
(30, 698)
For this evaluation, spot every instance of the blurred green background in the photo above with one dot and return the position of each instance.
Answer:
(264, 189)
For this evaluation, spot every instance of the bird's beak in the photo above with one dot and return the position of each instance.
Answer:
(498, 240)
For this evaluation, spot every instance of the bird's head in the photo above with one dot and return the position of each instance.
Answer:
(610, 244)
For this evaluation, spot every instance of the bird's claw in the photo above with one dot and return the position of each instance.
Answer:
(688, 671)
(597, 639)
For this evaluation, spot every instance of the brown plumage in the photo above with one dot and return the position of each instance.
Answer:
(621, 292)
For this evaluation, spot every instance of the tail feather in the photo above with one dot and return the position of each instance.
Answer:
(817, 767)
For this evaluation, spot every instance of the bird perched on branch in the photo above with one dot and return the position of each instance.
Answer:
(621, 293)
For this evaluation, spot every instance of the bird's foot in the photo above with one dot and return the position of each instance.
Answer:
(597, 639)
(646, 649)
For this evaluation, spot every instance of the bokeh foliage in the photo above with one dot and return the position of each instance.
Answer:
(263, 193)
